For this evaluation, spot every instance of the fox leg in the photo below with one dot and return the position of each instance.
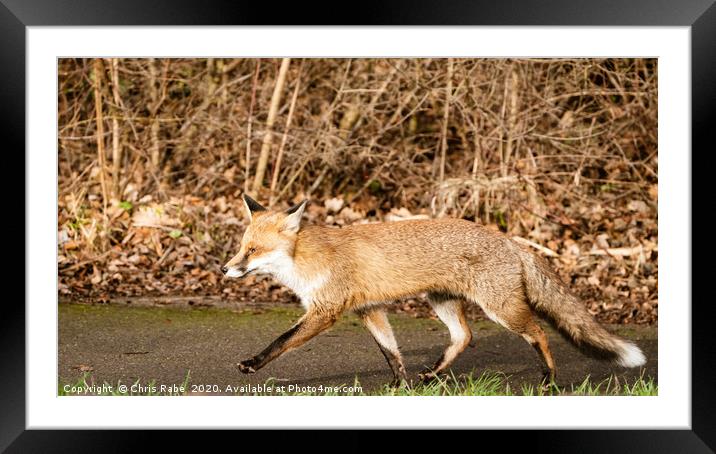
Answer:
(377, 323)
(536, 337)
(312, 323)
(517, 316)
(452, 314)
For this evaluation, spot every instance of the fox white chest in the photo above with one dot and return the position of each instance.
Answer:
(284, 270)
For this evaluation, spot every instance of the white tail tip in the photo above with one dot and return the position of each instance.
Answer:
(630, 355)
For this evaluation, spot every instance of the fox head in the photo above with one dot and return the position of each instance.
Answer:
(268, 242)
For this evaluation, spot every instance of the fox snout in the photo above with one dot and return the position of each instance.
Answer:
(235, 268)
(234, 271)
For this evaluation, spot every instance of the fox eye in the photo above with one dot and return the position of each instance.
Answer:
(251, 251)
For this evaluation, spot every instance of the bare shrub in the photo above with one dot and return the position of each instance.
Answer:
(558, 151)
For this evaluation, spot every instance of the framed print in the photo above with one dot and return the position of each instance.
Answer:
(383, 223)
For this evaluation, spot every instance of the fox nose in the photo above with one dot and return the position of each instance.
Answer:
(224, 269)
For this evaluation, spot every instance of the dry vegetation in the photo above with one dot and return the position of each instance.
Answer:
(155, 153)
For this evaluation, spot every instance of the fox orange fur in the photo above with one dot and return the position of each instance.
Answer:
(365, 267)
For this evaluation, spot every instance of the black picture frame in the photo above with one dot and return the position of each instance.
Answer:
(16, 15)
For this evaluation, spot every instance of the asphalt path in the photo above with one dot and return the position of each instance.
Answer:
(117, 344)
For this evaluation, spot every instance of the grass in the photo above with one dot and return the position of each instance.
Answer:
(485, 384)
(495, 384)
(608, 387)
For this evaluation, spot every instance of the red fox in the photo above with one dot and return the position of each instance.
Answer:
(365, 267)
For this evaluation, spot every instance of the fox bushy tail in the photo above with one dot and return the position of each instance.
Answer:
(550, 297)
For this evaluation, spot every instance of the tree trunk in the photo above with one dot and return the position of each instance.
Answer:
(268, 135)
(98, 70)
(446, 115)
(277, 167)
(116, 147)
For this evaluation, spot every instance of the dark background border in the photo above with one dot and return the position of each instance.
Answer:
(16, 15)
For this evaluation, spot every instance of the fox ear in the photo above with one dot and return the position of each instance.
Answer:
(252, 206)
(292, 223)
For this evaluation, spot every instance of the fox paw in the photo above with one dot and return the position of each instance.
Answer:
(548, 383)
(428, 376)
(248, 366)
